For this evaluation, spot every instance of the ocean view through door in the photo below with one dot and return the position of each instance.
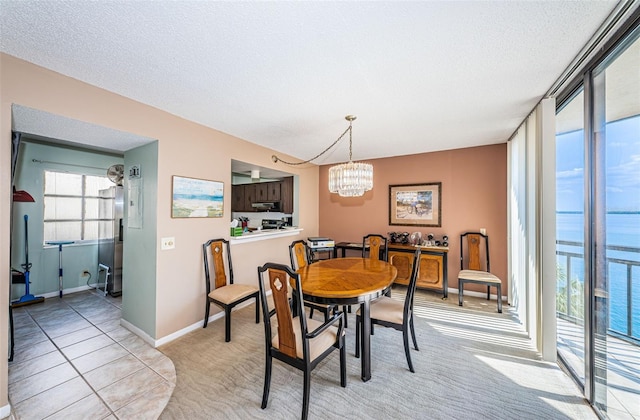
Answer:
(598, 232)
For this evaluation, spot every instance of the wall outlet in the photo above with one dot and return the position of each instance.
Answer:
(483, 231)
(168, 243)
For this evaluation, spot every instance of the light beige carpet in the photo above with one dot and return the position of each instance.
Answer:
(473, 363)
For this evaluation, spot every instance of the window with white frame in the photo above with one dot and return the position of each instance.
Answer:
(71, 206)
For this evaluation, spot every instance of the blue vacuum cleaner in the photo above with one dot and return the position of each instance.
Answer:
(27, 298)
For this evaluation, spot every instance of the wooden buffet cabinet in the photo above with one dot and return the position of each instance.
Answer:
(433, 264)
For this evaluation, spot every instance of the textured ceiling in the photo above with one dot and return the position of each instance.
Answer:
(420, 76)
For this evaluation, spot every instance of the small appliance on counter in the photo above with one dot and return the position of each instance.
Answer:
(272, 224)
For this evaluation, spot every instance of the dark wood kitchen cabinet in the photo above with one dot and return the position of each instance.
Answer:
(237, 198)
(249, 196)
(286, 195)
(273, 191)
(244, 195)
(262, 190)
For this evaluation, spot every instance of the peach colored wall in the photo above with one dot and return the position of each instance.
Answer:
(474, 196)
(184, 148)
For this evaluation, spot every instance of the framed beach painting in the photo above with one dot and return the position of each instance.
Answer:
(192, 197)
(415, 204)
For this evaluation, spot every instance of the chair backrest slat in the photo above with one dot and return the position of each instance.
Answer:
(214, 253)
(287, 340)
(218, 263)
(299, 255)
(477, 252)
(473, 243)
(377, 246)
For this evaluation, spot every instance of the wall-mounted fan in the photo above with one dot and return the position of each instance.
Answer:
(116, 173)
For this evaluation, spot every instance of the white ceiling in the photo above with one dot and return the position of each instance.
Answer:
(420, 76)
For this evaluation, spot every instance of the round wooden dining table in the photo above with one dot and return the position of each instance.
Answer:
(349, 281)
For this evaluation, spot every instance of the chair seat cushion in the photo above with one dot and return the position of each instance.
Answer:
(232, 293)
(316, 345)
(386, 309)
(474, 276)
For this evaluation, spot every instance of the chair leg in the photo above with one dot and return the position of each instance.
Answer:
(413, 333)
(344, 311)
(343, 364)
(499, 287)
(267, 381)
(257, 309)
(305, 394)
(227, 324)
(311, 312)
(206, 314)
(460, 292)
(488, 292)
(358, 326)
(405, 337)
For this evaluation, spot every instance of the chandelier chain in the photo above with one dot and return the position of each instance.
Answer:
(350, 142)
(277, 159)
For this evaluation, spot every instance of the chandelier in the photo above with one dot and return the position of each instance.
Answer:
(350, 179)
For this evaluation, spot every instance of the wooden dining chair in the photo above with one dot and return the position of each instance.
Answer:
(378, 250)
(300, 255)
(377, 245)
(225, 293)
(395, 314)
(298, 341)
(475, 270)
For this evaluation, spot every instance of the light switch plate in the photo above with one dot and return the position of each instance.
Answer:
(168, 243)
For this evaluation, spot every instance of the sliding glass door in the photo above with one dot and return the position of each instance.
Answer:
(570, 182)
(615, 231)
(598, 231)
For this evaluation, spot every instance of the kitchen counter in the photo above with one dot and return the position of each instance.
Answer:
(260, 235)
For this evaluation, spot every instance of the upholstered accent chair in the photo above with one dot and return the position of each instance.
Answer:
(224, 293)
(396, 314)
(296, 340)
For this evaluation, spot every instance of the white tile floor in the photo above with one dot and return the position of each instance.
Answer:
(73, 360)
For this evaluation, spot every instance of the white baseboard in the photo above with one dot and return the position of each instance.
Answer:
(173, 336)
(5, 411)
(137, 331)
(64, 292)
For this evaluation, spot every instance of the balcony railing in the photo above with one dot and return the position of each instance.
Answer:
(570, 289)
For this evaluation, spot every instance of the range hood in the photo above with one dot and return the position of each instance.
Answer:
(266, 206)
